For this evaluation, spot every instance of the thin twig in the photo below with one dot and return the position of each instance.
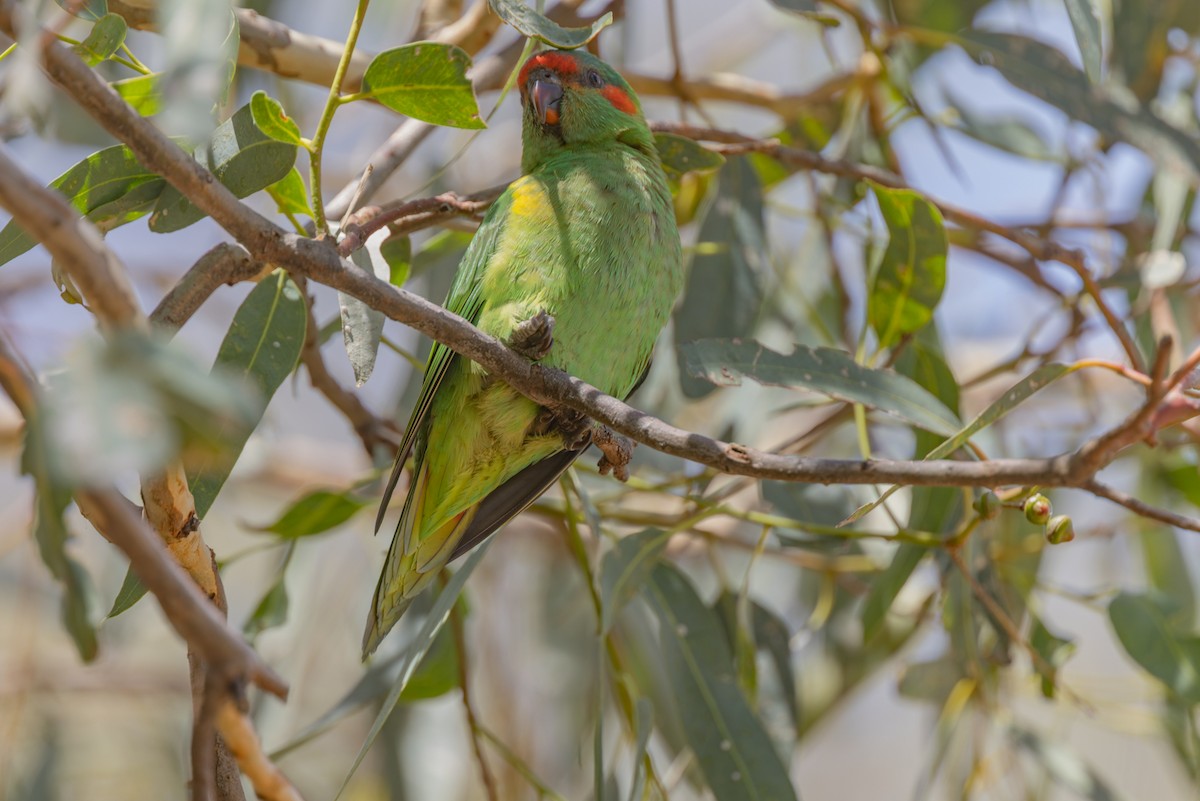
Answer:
(464, 682)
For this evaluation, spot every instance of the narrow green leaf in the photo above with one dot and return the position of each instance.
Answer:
(314, 513)
(1011, 133)
(271, 119)
(1144, 631)
(272, 610)
(724, 292)
(142, 92)
(105, 38)
(536, 26)
(1046, 73)
(732, 748)
(132, 590)
(771, 635)
(438, 672)
(426, 81)
(416, 650)
(1014, 397)
(51, 497)
(910, 279)
(643, 723)
(200, 44)
(1086, 24)
(1054, 652)
(931, 681)
(95, 187)
(1065, 767)
(623, 570)
(241, 156)
(680, 154)
(290, 194)
(396, 250)
(362, 326)
(262, 346)
(887, 585)
(88, 9)
(824, 370)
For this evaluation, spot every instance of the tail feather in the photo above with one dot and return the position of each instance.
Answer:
(411, 564)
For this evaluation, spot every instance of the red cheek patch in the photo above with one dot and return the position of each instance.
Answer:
(552, 60)
(619, 99)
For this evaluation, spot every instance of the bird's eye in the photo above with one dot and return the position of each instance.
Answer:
(594, 80)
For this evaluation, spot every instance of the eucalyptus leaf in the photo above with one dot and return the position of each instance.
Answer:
(51, 497)
(1086, 25)
(141, 92)
(314, 513)
(824, 370)
(271, 611)
(241, 156)
(396, 250)
(724, 285)
(680, 154)
(362, 326)
(624, 569)
(908, 284)
(272, 120)
(200, 39)
(106, 186)
(415, 651)
(887, 585)
(1047, 74)
(1065, 767)
(104, 40)
(426, 81)
(261, 348)
(1147, 636)
(545, 30)
(732, 748)
(290, 194)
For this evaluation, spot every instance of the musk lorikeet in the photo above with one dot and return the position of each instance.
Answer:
(578, 264)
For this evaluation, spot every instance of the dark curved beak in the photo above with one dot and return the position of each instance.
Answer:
(546, 97)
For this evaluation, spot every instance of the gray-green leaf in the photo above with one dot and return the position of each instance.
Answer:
(624, 569)
(262, 346)
(241, 156)
(824, 370)
(362, 326)
(680, 154)
(536, 26)
(732, 748)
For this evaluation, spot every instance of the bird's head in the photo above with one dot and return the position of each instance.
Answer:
(570, 98)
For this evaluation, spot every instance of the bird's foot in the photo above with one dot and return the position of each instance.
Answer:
(617, 450)
(534, 337)
(574, 427)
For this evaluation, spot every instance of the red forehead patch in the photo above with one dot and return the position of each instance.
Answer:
(619, 99)
(552, 60)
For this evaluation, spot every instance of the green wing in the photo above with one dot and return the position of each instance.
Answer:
(465, 301)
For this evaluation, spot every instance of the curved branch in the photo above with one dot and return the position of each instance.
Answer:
(320, 261)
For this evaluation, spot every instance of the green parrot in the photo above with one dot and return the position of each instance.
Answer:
(577, 264)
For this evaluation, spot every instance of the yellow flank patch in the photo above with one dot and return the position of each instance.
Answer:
(528, 197)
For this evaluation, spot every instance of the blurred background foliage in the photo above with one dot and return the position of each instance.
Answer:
(687, 634)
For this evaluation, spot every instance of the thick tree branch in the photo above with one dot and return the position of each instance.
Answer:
(223, 264)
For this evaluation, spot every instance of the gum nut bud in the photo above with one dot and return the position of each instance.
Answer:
(1037, 509)
(1060, 529)
(988, 505)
